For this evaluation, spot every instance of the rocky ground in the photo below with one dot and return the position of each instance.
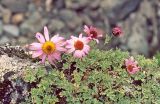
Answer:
(21, 19)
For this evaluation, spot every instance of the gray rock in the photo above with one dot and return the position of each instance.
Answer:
(120, 12)
(60, 3)
(31, 7)
(86, 19)
(17, 18)
(147, 9)
(1, 27)
(66, 14)
(11, 29)
(158, 11)
(94, 4)
(33, 24)
(1, 12)
(4, 39)
(0, 15)
(12, 69)
(22, 40)
(138, 44)
(97, 15)
(56, 24)
(6, 15)
(76, 22)
(16, 5)
(77, 4)
(71, 19)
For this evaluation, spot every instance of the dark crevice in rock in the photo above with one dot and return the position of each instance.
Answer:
(14, 51)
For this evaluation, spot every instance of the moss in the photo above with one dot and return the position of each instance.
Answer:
(97, 79)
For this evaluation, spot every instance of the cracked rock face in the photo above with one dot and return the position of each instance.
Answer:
(13, 64)
(14, 60)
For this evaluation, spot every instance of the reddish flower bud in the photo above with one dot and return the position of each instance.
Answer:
(93, 33)
(117, 31)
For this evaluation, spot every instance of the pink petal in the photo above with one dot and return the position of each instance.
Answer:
(127, 62)
(35, 46)
(69, 46)
(83, 53)
(130, 62)
(51, 60)
(86, 49)
(74, 38)
(86, 40)
(60, 38)
(61, 49)
(96, 40)
(40, 37)
(135, 69)
(57, 38)
(56, 55)
(37, 53)
(80, 35)
(86, 29)
(70, 50)
(54, 38)
(78, 54)
(43, 57)
(46, 33)
(61, 43)
(70, 42)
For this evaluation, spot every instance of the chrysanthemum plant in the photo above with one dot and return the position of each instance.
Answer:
(90, 76)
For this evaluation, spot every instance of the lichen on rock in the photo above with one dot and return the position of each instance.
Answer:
(14, 59)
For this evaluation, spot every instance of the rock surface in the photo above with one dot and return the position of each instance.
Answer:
(16, 5)
(34, 23)
(1, 28)
(11, 29)
(17, 18)
(14, 59)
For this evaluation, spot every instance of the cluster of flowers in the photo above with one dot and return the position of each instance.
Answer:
(52, 48)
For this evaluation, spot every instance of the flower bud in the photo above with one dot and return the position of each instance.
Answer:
(117, 31)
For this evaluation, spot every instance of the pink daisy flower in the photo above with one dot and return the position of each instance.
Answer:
(117, 31)
(47, 48)
(78, 45)
(93, 33)
(131, 65)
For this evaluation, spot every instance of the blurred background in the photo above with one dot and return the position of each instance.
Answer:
(139, 20)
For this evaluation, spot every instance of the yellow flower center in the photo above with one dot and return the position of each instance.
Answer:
(48, 47)
(78, 45)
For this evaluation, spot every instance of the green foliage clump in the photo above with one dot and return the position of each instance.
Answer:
(99, 78)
